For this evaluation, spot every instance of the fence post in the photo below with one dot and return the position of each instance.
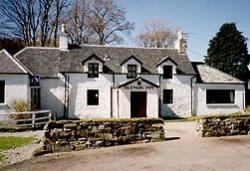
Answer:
(50, 116)
(33, 119)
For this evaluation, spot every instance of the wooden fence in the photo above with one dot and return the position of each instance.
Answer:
(26, 119)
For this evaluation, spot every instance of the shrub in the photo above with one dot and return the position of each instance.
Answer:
(19, 105)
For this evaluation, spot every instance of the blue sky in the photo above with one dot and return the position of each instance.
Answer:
(201, 18)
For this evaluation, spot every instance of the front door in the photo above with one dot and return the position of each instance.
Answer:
(138, 104)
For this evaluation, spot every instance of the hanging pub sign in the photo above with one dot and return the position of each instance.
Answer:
(34, 81)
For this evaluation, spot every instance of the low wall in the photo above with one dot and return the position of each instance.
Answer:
(224, 125)
(79, 135)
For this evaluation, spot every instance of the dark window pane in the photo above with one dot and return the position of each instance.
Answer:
(167, 71)
(35, 98)
(2, 91)
(93, 70)
(167, 96)
(220, 96)
(93, 97)
(132, 71)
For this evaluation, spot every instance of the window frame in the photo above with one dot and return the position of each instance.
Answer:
(92, 102)
(167, 75)
(93, 70)
(216, 91)
(168, 99)
(4, 91)
(131, 73)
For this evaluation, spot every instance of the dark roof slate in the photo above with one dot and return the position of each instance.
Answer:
(44, 62)
(48, 62)
(9, 65)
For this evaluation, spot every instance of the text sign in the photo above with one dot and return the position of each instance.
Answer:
(138, 87)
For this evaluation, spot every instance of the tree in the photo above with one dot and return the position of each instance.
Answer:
(102, 20)
(78, 29)
(228, 51)
(32, 20)
(156, 33)
(12, 45)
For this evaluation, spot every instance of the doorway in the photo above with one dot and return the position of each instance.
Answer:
(138, 103)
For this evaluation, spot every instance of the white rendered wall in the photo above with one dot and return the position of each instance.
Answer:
(181, 106)
(201, 108)
(53, 94)
(16, 88)
(79, 84)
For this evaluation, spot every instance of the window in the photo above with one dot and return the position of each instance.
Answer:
(220, 96)
(93, 69)
(167, 71)
(167, 96)
(2, 91)
(93, 97)
(132, 71)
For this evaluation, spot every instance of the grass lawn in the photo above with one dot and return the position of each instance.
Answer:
(7, 143)
(192, 118)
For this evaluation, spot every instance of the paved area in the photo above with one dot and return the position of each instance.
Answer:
(184, 151)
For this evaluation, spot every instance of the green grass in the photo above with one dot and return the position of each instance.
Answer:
(7, 143)
(188, 119)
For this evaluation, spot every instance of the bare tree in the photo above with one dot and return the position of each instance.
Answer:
(107, 20)
(31, 19)
(156, 33)
(97, 22)
(78, 29)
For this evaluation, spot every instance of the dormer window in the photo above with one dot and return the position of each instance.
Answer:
(132, 71)
(93, 70)
(167, 71)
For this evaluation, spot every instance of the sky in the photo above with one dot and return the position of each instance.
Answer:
(201, 19)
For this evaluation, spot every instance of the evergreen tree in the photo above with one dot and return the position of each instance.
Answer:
(228, 51)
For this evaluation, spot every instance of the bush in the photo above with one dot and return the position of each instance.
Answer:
(19, 105)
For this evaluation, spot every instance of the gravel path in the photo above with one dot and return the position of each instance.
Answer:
(25, 152)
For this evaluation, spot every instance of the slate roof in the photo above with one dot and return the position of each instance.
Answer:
(48, 62)
(9, 65)
(207, 74)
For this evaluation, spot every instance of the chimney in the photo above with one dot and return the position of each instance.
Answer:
(63, 39)
(181, 43)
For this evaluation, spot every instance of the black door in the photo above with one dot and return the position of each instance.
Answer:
(138, 104)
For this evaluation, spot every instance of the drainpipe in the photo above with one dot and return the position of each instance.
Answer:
(111, 95)
(66, 96)
(159, 99)
(191, 85)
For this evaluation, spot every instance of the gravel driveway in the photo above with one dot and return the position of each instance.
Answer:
(184, 151)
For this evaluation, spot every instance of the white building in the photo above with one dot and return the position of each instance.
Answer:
(120, 82)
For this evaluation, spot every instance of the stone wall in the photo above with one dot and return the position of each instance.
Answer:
(224, 125)
(79, 134)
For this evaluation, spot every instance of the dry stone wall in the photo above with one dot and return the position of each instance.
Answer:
(79, 135)
(224, 125)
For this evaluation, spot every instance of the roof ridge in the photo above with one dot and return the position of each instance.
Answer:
(128, 47)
